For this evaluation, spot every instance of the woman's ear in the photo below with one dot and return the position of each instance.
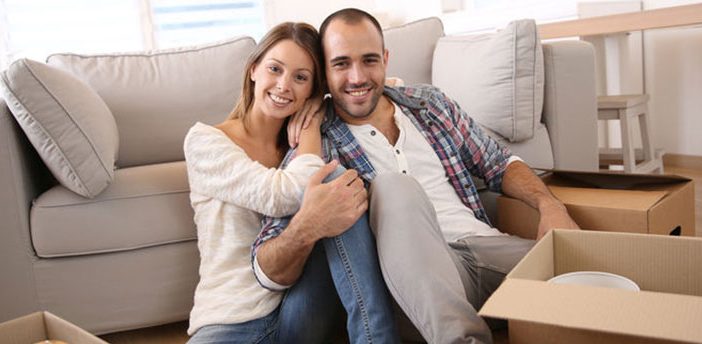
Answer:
(252, 72)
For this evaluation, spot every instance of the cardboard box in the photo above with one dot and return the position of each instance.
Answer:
(610, 201)
(668, 309)
(42, 326)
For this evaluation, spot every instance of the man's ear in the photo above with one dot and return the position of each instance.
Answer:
(386, 54)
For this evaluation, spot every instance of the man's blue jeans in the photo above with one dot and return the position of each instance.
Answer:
(343, 270)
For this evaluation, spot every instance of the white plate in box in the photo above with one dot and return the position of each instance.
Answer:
(596, 279)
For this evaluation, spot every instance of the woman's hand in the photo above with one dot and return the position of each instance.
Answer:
(310, 116)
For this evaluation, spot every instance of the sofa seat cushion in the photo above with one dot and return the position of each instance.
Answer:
(144, 206)
(537, 152)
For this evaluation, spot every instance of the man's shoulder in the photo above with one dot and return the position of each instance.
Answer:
(420, 91)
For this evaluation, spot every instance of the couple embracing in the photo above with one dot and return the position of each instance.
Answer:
(312, 210)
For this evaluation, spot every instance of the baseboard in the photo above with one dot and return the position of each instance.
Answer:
(683, 161)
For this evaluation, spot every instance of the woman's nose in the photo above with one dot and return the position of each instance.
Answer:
(283, 82)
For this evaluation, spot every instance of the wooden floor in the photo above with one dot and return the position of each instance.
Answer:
(175, 333)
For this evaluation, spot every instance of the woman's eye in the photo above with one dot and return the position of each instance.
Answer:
(274, 69)
(301, 77)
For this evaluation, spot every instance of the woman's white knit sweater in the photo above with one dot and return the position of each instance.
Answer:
(229, 193)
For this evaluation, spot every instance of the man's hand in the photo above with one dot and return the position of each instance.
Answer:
(330, 209)
(553, 214)
(327, 210)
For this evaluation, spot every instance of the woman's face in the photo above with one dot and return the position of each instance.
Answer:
(283, 80)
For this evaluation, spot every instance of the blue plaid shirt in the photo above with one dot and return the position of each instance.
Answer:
(463, 148)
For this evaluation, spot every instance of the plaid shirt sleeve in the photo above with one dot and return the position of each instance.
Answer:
(272, 226)
(483, 155)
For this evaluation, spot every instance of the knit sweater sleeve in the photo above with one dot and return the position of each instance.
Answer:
(220, 169)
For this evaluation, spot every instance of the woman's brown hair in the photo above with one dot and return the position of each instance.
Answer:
(305, 36)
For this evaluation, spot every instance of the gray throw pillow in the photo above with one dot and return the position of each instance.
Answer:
(497, 78)
(68, 124)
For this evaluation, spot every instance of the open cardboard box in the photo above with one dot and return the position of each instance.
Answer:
(610, 201)
(42, 326)
(668, 309)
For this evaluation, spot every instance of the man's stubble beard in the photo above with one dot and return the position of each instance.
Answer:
(342, 105)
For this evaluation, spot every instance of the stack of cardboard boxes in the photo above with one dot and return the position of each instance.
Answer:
(667, 268)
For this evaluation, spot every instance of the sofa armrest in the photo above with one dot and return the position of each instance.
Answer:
(570, 104)
(22, 177)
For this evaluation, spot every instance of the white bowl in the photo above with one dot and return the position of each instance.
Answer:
(596, 279)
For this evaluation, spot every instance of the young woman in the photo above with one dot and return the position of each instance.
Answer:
(234, 182)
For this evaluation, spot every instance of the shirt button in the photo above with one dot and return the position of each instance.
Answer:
(467, 186)
(372, 132)
(404, 171)
(397, 151)
(431, 123)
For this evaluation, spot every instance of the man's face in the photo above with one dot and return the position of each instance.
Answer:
(355, 63)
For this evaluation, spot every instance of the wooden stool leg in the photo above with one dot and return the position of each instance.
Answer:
(629, 158)
(649, 154)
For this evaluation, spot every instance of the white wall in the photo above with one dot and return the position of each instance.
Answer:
(312, 12)
(388, 12)
(673, 59)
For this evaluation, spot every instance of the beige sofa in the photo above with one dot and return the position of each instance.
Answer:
(125, 256)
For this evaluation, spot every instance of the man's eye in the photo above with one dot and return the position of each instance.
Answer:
(371, 61)
(339, 65)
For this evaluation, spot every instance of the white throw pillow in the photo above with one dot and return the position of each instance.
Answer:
(497, 78)
(156, 96)
(67, 123)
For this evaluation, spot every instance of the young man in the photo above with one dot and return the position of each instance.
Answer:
(417, 150)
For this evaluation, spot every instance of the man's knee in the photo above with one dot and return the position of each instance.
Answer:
(397, 200)
(390, 189)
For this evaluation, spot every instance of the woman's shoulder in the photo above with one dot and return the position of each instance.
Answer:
(208, 139)
(210, 133)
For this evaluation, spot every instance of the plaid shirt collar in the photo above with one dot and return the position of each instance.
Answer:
(339, 143)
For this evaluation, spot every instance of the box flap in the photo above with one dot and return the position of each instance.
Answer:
(26, 329)
(580, 307)
(608, 198)
(58, 328)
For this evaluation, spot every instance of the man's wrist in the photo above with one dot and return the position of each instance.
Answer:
(546, 202)
(301, 230)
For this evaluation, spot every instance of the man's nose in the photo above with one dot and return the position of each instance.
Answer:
(357, 75)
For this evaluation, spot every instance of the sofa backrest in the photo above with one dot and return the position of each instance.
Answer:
(411, 48)
(157, 96)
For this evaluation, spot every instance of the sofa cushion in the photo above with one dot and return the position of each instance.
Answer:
(157, 96)
(411, 48)
(497, 78)
(67, 123)
(144, 206)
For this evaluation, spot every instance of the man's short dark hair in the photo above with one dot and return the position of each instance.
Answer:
(350, 16)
